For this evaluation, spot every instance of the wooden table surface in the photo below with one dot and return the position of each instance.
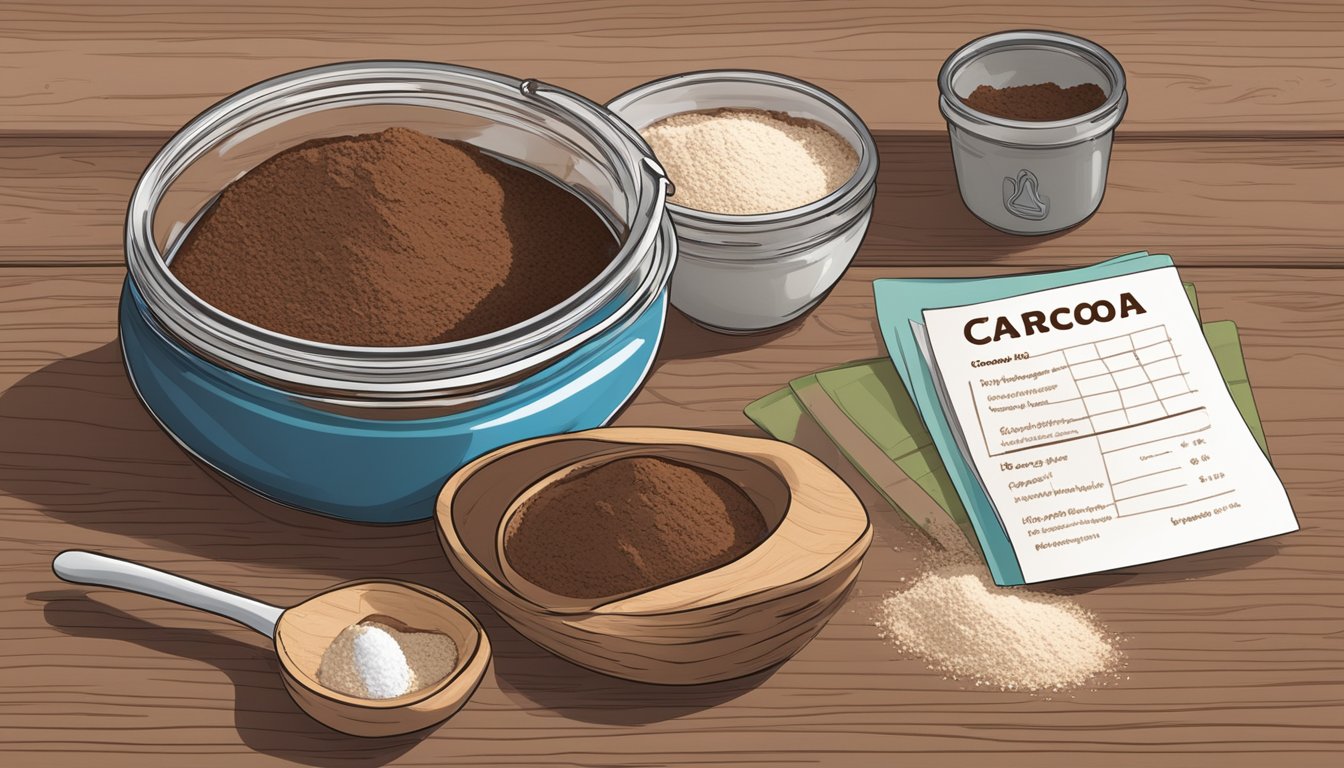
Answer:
(1230, 159)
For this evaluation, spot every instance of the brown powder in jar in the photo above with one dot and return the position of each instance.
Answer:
(1037, 103)
(628, 525)
(394, 238)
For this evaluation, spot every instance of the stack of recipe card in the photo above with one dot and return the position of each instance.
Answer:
(1067, 422)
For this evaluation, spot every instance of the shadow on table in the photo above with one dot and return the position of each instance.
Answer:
(266, 718)
(919, 218)
(77, 443)
(529, 675)
(684, 339)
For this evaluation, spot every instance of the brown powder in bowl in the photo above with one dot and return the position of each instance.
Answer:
(394, 238)
(628, 525)
(1036, 103)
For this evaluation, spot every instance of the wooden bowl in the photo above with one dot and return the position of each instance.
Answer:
(304, 632)
(740, 618)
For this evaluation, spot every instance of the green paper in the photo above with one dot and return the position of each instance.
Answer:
(922, 492)
(1226, 345)
(871, 395)
(778, 413)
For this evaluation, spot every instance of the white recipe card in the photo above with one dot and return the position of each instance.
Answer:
(1096, 419)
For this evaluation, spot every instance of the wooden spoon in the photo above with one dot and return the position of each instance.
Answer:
(303, 632)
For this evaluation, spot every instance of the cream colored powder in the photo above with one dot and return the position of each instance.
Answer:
(374, 661)
(748, 161)
(964, 626)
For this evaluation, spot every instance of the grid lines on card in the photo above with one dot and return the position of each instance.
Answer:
(1128, 379)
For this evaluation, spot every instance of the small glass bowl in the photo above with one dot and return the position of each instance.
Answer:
(750, 273)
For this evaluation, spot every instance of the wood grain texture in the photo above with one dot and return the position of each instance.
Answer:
(132, 66)
(63, 201)
(1234, 656)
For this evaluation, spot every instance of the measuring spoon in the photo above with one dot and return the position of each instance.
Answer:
(303, 632)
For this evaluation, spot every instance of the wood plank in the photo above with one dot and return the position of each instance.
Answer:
(1233, 655)
(64, 200)
(1249, 68)
(1239, 202)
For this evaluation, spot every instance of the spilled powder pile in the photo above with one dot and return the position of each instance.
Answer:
(374, 661)
(964, 626)
(630, 524)
(746, 161)
(1039, 102)
(394, 238)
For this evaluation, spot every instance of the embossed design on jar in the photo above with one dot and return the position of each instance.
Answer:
(1022, 196)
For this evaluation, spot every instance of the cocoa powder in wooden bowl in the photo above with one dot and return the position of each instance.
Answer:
(628, 525)
(732, 617)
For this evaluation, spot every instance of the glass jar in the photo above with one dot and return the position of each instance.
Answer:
(1026, 177)
(371, 433)
(749, 273)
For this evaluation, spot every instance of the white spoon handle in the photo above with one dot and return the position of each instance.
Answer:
(90, 568)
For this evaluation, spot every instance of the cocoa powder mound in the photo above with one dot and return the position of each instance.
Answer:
(630, 524)
(394, 238)
(1037, 103)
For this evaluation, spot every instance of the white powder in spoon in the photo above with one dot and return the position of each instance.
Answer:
(374, 661)
(381, 665)
(748, 161)
(962, 625)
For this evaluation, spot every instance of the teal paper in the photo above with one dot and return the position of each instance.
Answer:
(901, 301)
